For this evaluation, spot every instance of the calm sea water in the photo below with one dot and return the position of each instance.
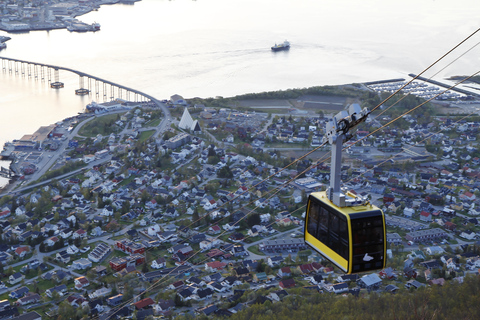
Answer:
(212, 48)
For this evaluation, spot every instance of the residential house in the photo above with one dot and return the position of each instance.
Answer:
(115, 300)
(22, 251)
(81, 282)
(63, 256)
(159, 263)
(286, 283)
(337, 287)
(30, 297)
(61, 289)
(16, 278)
(214, 266)
(284, 272)
(18, 293)
(370, 281)
(413, 284)
(81, 264)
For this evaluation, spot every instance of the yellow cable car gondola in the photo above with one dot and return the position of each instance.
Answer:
(353, 238)
(343, 227)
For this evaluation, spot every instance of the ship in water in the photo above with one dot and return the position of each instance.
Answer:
(3, 41)
(282, 46)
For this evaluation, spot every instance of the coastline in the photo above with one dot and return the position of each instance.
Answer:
(25, 27)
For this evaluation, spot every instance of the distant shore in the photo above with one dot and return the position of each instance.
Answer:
(24, 27)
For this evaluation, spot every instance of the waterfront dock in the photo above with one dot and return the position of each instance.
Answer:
(446, 86)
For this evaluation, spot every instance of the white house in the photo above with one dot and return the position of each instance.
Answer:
(20, 211)
(159, 263)
(434, 250)
(153, 230)
(72, 249)
(408, 212)
(107, 211)
(81, 264)
(81, 282)
(16, 278)
(469, 235)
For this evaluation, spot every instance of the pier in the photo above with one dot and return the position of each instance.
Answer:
(446, 86)
(6, 173)
(88, 84)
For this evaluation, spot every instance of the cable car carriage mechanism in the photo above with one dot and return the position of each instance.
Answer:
(343, 227)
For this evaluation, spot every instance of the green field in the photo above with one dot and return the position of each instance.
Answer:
(145, 135)
(103, 125)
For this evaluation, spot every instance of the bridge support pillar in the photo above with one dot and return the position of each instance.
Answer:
(57, 84)
(97, 90)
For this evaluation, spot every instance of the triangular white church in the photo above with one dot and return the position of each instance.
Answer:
(187, 122)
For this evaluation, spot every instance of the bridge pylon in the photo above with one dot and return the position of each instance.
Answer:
(82, 91)
(57, 84)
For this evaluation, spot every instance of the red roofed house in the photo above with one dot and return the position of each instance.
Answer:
(236, 237)
(80, 233)
(467, 195)
(445, 173)
(4, 213)
(306, 268)
(284, 272)
(425, 216)
(450, 226)
(81, 282)
(152, 204)
(214, 229)
(287, 283)
(176, 285)
(51, 241)
(433, 181)
(328, 270)
(144, 303)
(22, 251)
(215, 253)
(214, 266)
(317, 266)
(285, 222)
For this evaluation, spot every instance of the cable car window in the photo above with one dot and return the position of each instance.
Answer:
(368, 243)
(329, 227)
(313, 218)
(322, 232)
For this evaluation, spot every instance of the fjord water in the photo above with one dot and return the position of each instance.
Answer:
(210, 48)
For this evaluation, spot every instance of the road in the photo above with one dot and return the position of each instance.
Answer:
(255, 256)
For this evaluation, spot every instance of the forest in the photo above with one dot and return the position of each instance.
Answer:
(454, 300)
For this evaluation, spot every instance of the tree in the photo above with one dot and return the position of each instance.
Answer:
(253, 219)
(261, 265)
(225, 172)
(145, 267)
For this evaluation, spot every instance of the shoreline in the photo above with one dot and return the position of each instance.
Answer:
(12, 28)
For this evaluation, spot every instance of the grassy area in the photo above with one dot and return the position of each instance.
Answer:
(152, 123)
(254, 249)
(253, 239)
(103, 125)
(111, 256)
(145, 135)
(127, 181)
(272, 110)
(286, 228)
